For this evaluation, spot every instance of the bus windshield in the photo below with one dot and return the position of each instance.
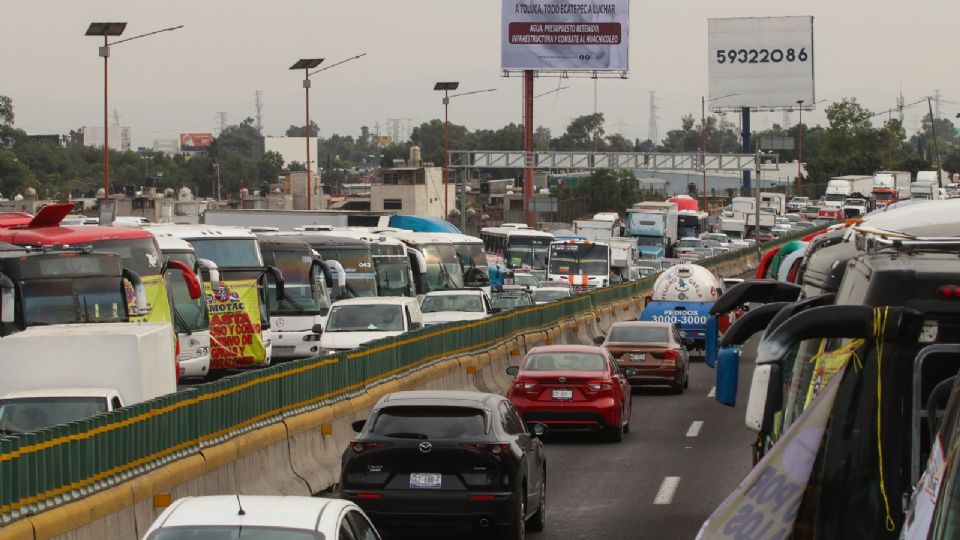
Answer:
(527, 251)
(576, 259)
(192, 315)
(393, 276)
(229, 253)
(473, 260)
(66, 301)
(443, 268)
(139, 254)
(302, 283)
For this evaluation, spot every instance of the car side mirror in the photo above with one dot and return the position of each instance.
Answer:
(630, 372)
(538, 430)
(358, 425)
(513, 371)
(495, 310)
(317, 329)
(415, 325)
(599, 340)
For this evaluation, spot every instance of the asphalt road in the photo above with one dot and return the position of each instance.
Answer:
(683, 456)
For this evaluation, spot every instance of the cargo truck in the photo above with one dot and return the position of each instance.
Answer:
(841, 187)
(683, 295)
(67, 372)
(654, 225)
(890, 187)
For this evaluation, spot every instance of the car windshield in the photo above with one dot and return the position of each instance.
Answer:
(565, 362)
(510, 301)
(690, 243)
(24, 415)
(652, 241)
(302, 282)
(883, 196)
(229, 253)
(637, 334)
(139, 254)
(365, 318)
(246, 532)
(525, 280)
(429, 422)
(834, 197)
(80, 300)
(452, 302)
(547, 295)
(191, 314)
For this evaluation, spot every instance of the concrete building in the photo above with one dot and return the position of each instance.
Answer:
(414, 188)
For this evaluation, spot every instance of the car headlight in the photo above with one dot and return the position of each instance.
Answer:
(330, 351)
(311, 337)
(203, 351)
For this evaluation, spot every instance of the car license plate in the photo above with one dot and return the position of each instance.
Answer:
(563, 394)
(419, 480)
(638, 357)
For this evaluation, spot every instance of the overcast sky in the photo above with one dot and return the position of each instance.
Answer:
(177, 82)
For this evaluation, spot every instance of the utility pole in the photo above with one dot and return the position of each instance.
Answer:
(936, 148)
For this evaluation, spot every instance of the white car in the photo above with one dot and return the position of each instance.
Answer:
(243, 516)
(797, 204)
(355, 321)
(542, 295)
(440, 307)
(525, 279)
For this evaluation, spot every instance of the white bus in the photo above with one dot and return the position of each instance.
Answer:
(581, 263)
(518, 246)
(451, 261)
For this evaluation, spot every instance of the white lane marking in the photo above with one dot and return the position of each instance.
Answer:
(667, 489)
(713, 392)
(695, 428)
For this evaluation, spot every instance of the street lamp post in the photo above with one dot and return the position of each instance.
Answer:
(107, 30)
(446, 87)
(306, 64)
(800, 144)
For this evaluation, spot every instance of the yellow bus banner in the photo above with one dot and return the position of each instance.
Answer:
(155, 287)
(236, 338)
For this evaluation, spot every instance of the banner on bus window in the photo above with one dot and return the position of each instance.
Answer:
(765, 504)
(236, 338)
(155, 287)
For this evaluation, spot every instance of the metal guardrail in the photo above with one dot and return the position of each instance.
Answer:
(54, 466)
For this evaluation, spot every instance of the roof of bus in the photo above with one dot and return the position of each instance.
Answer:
(273, 242)
(200, 232)
(512, 231)
(423, 224)
(431, 238)
(576, 241)
(359, 233)
(172, 243)
(326, 239)
(70, 235)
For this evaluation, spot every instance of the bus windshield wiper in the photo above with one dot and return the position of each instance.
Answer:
(181, 322)
(289, 299)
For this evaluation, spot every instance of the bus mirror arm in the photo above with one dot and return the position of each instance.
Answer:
(189, 277)
(323, 266)
(335, 266)
(278, 279)
(6, 299)
(139, 292)
(418, 262)
(212, 270)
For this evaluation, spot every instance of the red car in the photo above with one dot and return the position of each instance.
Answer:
(572, 387)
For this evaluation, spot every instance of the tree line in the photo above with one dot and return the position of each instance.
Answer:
(848, 144)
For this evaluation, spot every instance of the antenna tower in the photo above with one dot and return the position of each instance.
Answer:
(936, 100)
(652, 126)
(900, 104)
(222, 121)
(259, 103)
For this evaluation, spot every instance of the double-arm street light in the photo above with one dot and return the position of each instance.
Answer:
(703, 142)
(446, 87)
(108, 30)
(306, 64)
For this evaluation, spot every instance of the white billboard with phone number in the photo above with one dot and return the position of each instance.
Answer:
(760, 62)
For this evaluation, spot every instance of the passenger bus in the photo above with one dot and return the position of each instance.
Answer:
(63, 287)
(451, 261)
(137, 248)
(691, 223)
(581, 263)
(306, 296)
(392, 272)
(239, 307)
(191, 318)
(518, 246)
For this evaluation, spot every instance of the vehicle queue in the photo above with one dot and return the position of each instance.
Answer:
(579, 388)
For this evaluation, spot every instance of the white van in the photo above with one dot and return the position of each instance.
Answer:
(355, 321)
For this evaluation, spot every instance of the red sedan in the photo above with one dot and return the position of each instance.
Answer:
(572, 387)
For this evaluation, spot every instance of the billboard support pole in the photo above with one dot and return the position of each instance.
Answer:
(306, 86)
(745, 116)
(528, 144)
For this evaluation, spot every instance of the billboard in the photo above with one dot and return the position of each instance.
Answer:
(568, 35)
(195, 142)
(760, 62)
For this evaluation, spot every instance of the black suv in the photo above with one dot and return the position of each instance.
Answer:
(447, 457)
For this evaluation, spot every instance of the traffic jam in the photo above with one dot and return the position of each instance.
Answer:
(856, 321)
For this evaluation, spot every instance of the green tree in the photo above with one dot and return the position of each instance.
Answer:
(584, 133)
(6, 110)
(301, 131)
(608, 191)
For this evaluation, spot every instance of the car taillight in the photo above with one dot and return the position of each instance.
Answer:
(493, 448)
(670, 354)
(598, 386)
(360, 447)
(525, 386)
(950, 291)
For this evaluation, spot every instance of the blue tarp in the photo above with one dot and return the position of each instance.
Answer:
(423, 224)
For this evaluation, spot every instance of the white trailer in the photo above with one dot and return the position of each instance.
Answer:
(841, 187)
